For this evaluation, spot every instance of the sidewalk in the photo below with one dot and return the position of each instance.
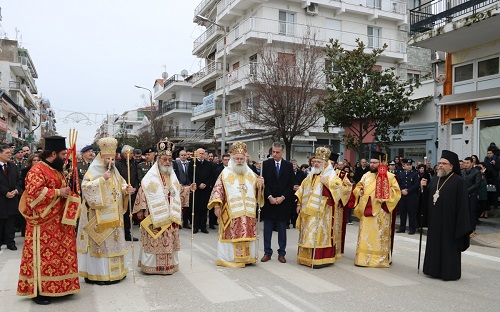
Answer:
(488, 232)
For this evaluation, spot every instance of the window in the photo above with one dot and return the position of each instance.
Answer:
(329, 66)
(464, 72)
(286, 59)
(253, 64)
(377, 4)
(286, 23)
(487, 67)
(374, 37)
(412, 74)
(457, 128)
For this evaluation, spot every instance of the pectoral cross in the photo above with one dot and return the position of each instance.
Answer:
(435, 197)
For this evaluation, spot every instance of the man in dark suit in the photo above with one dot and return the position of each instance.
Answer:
(298, 177)
(360, 171)
(204, 180)
(278, 192)
(122, 167)
(180, 167)
(9, 199)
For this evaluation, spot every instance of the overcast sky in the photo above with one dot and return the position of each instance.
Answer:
(90, 54)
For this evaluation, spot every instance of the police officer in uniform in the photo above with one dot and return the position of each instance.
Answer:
(409, 183)
(143, 167)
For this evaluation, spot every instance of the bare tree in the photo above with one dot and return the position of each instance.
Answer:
(288, 82)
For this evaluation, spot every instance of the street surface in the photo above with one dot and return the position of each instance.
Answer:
(274, 286)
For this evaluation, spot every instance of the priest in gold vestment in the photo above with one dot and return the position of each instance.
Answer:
(234, 198)
(158, 205)
(321, 218)
(101, 237)
(377, 195)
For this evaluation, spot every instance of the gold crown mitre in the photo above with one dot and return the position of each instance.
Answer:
(107, 146)
(323, 153)
(165, 147)
(238, 148)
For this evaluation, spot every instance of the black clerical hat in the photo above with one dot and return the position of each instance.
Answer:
(334, 156)
(55, 143)
(378, 155)
(453, 159)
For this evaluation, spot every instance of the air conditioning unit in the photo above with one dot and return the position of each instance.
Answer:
(312, 9)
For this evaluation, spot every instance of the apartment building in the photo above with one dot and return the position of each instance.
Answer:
(176, 100)
(469, 101)
(19, 108)
(248, 25)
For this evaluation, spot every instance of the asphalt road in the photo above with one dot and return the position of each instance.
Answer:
(274, 286)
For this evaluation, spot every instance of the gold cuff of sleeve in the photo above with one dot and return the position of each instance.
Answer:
(58, 192)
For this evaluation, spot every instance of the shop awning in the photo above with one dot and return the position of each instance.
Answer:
(474, 96)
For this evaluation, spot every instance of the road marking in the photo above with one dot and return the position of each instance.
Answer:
(8, 287)
(288, 305)
(380, 275)
(468, 252)
(286, 292)
(204, 276)
(300, 278)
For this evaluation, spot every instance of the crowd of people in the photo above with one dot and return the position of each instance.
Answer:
(164, 190)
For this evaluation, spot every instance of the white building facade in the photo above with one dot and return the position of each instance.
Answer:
(250, 24)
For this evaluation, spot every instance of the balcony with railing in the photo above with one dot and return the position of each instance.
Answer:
(443, 24)
(178, 133)
(206, 74)
(203, 7)
(172, 79)
(236, 123)
(206, 38)
(255, 29)
(207, 110)
(394, 10)
(177, 107)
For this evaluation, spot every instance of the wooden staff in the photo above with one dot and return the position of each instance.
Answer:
(195, 154)
(257, 235)
(127, 154)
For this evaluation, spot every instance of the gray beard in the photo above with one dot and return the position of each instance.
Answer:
(239, 169)
(165, 170)
(442, 173)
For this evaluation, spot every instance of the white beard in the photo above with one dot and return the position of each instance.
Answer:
(239, 169)
(315, 170)
(165, 170)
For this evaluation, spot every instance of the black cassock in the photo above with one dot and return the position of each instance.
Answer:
(448, 227)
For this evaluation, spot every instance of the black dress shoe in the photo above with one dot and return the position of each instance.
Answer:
(411, 233)
(186, 227)
(212, 227)
(12, 247)
(42, 300)
(400, 231)
(129, 239)
(204, 231)
(195, 231)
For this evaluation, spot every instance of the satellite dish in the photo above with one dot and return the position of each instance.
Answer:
(164, 75)
(184, 73)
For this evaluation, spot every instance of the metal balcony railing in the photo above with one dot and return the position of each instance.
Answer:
(14, 85)
(439, 12)
(168, 106)
(180, 133)
(172, 79)
(204, 36)
(207, 70)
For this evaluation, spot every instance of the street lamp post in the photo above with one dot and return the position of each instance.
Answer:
(224, 74)
(151, 108)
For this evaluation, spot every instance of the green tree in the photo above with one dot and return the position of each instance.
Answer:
(364, 99)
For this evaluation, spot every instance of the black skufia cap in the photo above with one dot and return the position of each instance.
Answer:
(55, 143)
